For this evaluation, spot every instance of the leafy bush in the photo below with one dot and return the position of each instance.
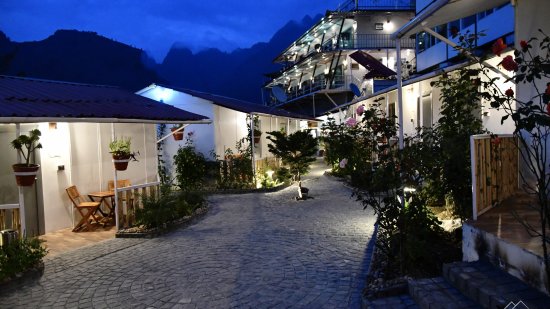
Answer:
(167, 207)
(20, 255)
(190, 166)
(235, 171)
(410, 237)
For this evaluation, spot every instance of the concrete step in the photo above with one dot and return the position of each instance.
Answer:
(435, 293)
(491, 287)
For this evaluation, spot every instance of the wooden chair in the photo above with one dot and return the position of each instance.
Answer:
(85, 208)
(121, 183)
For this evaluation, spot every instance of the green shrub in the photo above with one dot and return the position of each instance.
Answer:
(190, 166)
(236, 169)
(167, 207)
(20, 255)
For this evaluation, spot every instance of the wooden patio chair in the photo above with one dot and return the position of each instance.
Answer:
(86, 209)
(121, 183)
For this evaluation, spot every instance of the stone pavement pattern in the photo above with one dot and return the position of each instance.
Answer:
(251, 251)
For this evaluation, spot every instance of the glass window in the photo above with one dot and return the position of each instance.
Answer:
(427, 111)
(391, 112)
(468, 21)
(422, 41)
(454, 28)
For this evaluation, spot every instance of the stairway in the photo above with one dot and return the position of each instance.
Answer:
(475, 285)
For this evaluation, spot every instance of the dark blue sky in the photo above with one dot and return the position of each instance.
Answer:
(154, 25)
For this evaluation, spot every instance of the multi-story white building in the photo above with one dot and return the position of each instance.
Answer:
(421, 102)
(348, 53)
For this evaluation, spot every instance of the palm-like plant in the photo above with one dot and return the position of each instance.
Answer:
(27, 144)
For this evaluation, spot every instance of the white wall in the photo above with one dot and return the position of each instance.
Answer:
(83, 150)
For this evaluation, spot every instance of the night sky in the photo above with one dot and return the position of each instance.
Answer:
(155, 25)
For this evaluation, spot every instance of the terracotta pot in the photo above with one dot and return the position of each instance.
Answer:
(178, 136)
(25, 175)
(121, 161)
(257, 139)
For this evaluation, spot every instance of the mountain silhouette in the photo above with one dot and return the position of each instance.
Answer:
(78, 56)
(87, 57)
(239, 74)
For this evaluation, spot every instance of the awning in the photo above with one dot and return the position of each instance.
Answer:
(374, 67)
(443, 11)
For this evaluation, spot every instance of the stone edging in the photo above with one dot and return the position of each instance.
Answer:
(245, 191)
(21, 278)
(168, 227)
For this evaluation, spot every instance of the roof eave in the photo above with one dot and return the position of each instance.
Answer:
(97, 120)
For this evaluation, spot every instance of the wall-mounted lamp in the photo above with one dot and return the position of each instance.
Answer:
(52, 125)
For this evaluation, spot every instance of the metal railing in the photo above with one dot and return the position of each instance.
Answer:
(354, 5)
(339, 82)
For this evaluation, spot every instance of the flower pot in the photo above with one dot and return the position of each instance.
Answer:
(121, 161)
(25, 175)
(257, 139)
(178, 136)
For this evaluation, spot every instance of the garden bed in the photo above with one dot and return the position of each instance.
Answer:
(143, 232)
(21, 278)
(244, 191)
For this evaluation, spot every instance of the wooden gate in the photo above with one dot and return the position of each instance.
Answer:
(495, 170)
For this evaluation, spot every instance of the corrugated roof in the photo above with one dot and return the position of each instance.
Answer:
(26, 99)
(238, 105)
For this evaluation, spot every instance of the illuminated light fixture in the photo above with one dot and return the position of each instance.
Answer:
(52, 125)
(345, 62)
(326, 71)
(270, 174)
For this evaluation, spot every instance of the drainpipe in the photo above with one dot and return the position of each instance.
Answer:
(22, 218)
(252, 152)
(117, 219)
(399, 91)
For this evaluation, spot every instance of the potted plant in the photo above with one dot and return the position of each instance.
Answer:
(178, 136)
(120, 149)
(25, 173)
(257, 135)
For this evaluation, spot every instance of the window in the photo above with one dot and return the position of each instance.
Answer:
(418, 112)
(468, 21)
(427, 111)
(391, 112)
(454, 28)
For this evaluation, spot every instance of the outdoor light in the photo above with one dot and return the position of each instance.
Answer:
(52, 125)
(270, 174)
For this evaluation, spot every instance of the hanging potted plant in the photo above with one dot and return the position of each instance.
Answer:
(120, 149)
(257, 136)
(25, 173)
(178, 136)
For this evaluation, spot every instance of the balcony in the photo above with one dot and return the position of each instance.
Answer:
(379, 5)
(340, 82)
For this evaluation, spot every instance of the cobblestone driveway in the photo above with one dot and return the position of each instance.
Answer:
(252, 250)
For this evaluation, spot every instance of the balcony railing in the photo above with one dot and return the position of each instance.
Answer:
(359, 41)
(340, 82)
(385, 5)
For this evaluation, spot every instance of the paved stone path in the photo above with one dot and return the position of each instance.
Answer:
(250, 251)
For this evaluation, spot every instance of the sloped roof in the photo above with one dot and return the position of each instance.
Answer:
(238, 105)
(36, 100)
